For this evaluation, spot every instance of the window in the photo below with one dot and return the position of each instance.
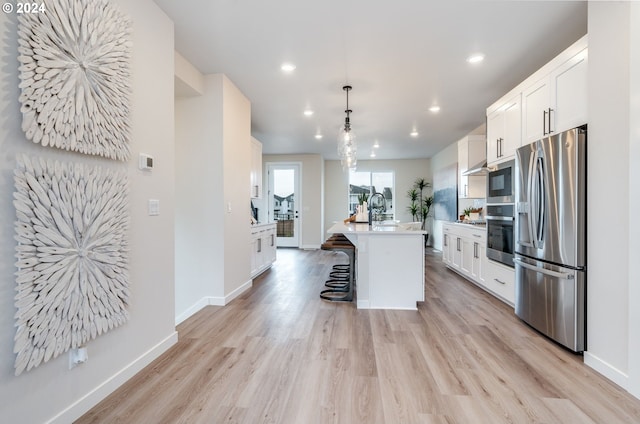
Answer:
(373, 183)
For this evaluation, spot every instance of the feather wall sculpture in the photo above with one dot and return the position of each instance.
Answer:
(75, 77)
(72, 256)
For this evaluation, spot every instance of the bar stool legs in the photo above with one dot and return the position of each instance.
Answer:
(341, 280)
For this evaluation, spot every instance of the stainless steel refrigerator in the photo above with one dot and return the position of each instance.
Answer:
(550, 233)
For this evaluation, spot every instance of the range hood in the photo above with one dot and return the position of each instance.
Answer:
(479, 168)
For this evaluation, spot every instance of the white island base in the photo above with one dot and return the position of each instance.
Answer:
(389, 265)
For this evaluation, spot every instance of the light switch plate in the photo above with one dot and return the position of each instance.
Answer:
(154, 207)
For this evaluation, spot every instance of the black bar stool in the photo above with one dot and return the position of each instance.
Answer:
(341, 280)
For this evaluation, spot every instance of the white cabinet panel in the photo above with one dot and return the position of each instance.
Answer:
(472, 149)
(535, 111)
(263, 248)
(570, 100)
(465, 250)
(504, 131)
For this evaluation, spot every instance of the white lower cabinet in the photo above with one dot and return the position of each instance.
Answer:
(263, 248)
(464, 251)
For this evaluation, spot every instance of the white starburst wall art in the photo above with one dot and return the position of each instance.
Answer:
(75, 77)
(72, 256)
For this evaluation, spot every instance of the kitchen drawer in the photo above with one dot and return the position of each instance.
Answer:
(500, 280)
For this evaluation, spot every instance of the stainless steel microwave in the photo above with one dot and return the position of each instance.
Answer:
(500, 183)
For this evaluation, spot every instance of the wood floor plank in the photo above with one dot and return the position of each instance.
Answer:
(280, 354)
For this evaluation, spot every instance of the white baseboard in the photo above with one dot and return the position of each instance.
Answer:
(362, 304)
(237, 292)
(192, 310)
(91, 399)
(310, 247)
(213, 300)
(609, 371)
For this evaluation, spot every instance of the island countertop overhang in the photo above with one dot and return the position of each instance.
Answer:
(364, 228)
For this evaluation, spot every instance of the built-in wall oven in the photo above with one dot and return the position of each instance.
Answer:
(500, 219)
(500, 213)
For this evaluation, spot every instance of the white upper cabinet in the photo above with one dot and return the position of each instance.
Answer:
(552, 100)
(570, 81)
(558, 101)
(504, 131)
(472, 150)
(256, 169)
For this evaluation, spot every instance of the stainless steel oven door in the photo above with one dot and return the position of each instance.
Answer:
(500, 239)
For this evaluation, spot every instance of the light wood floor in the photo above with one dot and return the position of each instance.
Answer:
(278, 354)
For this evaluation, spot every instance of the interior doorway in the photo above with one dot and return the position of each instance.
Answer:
(284, 201)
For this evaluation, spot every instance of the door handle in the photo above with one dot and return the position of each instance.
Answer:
(544, 122)
(475, 249)
(549, 120)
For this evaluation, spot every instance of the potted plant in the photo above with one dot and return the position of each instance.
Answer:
(420, 206)
(414, 207)
(471, 213)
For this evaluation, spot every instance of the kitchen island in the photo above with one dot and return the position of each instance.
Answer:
(389, 264)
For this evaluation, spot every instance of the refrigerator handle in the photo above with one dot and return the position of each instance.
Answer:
(562, 275)
(540, 201)
(531, 200)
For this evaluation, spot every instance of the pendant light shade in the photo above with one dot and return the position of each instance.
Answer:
(347, 148)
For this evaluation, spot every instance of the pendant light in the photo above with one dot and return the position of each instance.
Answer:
(346, 140)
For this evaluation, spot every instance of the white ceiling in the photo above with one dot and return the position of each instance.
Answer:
(401, 58)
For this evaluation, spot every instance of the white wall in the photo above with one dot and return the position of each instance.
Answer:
(311, 210)
(199, 249)
(52, 391)
(406, 171)
(609, 191)
(212, 173)
(443, 159)
(189, 81)
(237, 190)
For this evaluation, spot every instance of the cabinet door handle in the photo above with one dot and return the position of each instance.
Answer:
(272, 240)
(498, 281)
(497, 147)
(549, 119)
(544, 122)
(446, 243)
(458, 244)
(259, 245)
(475, 249)
(477, 236)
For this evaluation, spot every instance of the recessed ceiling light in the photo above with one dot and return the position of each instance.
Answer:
(434, 109)
(376, 145)
(288, 67)
(308, 112)
(475, 58)
(318, 136)
(372, 155)
(414, 133)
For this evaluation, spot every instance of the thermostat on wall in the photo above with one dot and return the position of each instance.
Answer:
(146, 162)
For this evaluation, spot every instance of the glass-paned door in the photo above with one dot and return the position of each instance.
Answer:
(284, 202)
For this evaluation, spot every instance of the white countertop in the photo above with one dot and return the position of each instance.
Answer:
(465, 225)
(262, 224)
(385, 228)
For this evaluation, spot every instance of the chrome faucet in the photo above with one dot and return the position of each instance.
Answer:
(378, 205)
